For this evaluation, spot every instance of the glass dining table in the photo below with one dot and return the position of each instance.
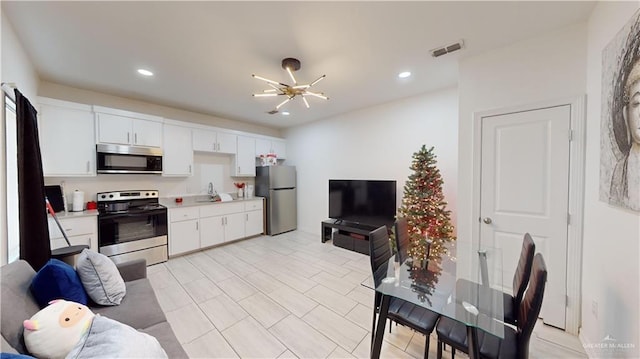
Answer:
(465, 293)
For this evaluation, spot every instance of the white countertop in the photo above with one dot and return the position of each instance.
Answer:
(89, 213)
(190, 201)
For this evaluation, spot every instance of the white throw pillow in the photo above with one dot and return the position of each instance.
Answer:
(55, 330)
(100, 278)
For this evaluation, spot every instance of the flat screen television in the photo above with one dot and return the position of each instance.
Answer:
(366, 202)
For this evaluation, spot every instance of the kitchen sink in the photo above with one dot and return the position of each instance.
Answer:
(201, 199)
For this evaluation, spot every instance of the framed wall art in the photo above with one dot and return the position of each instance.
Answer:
(620, 118)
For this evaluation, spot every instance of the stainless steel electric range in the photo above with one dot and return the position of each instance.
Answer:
(132, 225)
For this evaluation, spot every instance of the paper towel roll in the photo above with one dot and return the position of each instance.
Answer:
(78, 201)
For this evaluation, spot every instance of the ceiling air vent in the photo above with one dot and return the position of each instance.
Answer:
(447, 49)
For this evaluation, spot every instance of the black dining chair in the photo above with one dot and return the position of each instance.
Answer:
(520, 281)
(401, 229)
(515, 343)
(402, 312)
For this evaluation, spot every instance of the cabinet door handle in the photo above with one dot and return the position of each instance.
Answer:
(196, 226)
(189, 169)
(247, 216)
(239, 169)
(135, 138)
(128, 137)
(222, 221)
(88, 164)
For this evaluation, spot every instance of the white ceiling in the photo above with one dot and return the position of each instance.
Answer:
(203, 53)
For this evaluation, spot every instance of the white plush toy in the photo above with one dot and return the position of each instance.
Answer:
(55, 330)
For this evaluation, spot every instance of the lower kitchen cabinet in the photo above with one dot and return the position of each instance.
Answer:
(211, 231)
(184, 236)
(184, 230)
(79, 230)
(234, 227)
(192, 228)
(224, 223)
(254, 218)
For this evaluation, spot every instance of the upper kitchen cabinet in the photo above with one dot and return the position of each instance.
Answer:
(266, 146)
(73, 156)
(177, 153)
(245, 157)
(127, 128)
(213, 141)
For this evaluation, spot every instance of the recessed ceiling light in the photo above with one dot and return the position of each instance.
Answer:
(404, 74)
(285, 113)
(145, 72)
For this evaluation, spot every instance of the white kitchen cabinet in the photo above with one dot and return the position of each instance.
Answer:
(245, 161)
(177, 155)
(266, 146)
(192, 228)
(184, 230)
(79, 230)
(184, 236)
(254, 217)
(234, 227)
(67, 138)
(214, 141)
(211, 231)
(128, 128)
(226, 219)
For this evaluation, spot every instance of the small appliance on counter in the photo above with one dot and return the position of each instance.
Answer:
(56, 197)
(78, 201)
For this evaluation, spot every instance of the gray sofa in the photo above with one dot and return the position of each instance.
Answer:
(139, 308)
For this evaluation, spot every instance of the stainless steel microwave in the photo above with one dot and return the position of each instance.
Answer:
(128, 159)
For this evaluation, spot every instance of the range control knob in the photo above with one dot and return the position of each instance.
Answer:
(110, 196)
(103, 196)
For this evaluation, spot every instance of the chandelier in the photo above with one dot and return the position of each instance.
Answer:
(290, 92)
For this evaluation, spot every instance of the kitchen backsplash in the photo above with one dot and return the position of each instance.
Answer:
(207, 168)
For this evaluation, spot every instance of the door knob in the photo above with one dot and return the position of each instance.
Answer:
(487, 220)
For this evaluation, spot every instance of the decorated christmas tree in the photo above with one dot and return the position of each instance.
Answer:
(425, 209)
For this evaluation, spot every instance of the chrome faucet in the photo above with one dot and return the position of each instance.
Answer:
(210, 190)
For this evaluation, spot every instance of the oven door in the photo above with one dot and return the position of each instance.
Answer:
(131, 226)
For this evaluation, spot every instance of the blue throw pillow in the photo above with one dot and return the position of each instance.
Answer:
(57, 280)
(15, 356)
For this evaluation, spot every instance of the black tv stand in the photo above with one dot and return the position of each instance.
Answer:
(351, 236)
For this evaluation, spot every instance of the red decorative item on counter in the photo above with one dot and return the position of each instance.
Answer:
(239, 185)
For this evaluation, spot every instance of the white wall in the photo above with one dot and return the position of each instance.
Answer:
(373, 143)
(611, 235)
(547, 67)
(16, 68)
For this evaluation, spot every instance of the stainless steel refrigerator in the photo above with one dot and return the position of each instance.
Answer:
(278, 185)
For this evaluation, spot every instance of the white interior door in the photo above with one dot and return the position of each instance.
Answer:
(525, 188)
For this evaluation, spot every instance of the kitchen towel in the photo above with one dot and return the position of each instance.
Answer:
(78, 201)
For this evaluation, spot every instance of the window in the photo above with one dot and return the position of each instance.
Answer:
(11, 243)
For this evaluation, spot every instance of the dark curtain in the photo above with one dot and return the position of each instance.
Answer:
(35, 247)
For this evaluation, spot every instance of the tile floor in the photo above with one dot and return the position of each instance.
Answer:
(290, 296)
